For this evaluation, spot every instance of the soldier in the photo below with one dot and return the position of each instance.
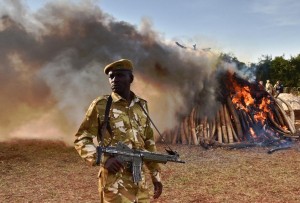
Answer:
(127, 123)
(269, 88)
(278, 88)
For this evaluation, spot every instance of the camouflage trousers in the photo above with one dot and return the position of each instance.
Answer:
(119, 188)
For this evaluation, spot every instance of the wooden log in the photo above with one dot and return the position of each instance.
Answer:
(278, 148)
(281, 130)
(219, 130)
(286, 119)
(198, 124)
(239, 145)
(253, 129)
(213, 128)
(223, 125)
(227, 121)
(250, 117)
(205, 127)
(182, 133)
(186, 130)
(175, 134)
(270, 135)
(235, 116)
(200, 131)
(245, 121)
(197, 115)
(193, 127)
(255, 125)
(166, 136)
(213, 136)
(277, 115)
(208, 126)
(235, 136)
(290, 109)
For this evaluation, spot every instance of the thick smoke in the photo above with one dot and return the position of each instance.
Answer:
(52, 68)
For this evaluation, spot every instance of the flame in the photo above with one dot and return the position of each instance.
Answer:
(242, 98)
(246, 97)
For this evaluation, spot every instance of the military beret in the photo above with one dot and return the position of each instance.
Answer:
(122, 64)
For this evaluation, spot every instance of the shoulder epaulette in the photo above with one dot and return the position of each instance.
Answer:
(100, 98)
(95, 102)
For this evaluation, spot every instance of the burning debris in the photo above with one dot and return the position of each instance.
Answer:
(247, 116)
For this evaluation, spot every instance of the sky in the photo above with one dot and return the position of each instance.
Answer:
(247, 29)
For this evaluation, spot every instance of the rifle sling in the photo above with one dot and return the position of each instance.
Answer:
(170, 151)
(105, 125)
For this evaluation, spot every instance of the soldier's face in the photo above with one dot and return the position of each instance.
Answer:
(120, 80)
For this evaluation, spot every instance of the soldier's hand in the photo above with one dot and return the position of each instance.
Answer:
(113, 165)
(157, 189)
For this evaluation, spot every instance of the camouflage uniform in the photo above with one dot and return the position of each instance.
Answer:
(130, 125)
(269, 88)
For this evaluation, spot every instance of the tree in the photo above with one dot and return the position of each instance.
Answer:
(280, 68)
(263, 68)
(295, 67)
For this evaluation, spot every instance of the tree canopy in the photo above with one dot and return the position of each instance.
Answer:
(285, 70)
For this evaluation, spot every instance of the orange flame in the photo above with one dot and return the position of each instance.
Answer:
(242, 98)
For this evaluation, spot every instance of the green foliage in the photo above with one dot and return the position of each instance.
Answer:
(285, 70)
(295, 64)
(263, 68)
(279, 68)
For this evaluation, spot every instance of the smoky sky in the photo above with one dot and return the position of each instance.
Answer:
(52, 68)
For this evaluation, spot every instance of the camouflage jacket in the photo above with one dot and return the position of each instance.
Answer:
(128, 122)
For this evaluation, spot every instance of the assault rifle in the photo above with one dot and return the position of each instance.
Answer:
(135, 157)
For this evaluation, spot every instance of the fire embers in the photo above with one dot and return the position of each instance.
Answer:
(247, 114)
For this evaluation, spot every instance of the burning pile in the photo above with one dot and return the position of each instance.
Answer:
(246, 114)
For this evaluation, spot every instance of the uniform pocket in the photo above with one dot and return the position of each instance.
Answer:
(107, 179)
(102, 178)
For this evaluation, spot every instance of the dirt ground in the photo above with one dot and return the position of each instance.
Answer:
(49, 171)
